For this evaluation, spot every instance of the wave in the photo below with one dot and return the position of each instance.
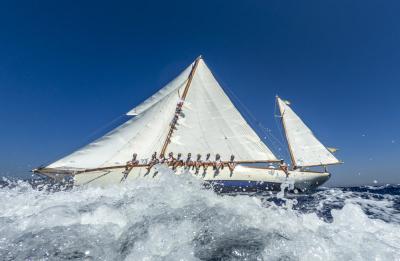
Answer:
(175, 218)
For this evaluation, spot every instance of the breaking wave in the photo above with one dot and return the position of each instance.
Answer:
(175, 218)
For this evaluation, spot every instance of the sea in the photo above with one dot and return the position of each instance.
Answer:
(176, 218)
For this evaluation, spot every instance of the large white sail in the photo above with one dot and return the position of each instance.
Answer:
(305, 149)
(143, 134)
(211, 124)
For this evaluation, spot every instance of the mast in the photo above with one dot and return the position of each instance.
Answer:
(286, 135)
(183, 97)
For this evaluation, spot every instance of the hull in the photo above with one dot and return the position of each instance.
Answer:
(243, 178)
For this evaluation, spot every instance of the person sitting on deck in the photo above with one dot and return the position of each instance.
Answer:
(171, 159)
(132, 162)
(189, 161)
(284, 167)
(129, 165)
(178, 110)
(232, 164)
(174, 120)
(153, 161)
(161, 159)
(179, 104)
(198, 164)
(207, 162)
(178, 162)
(218, 163)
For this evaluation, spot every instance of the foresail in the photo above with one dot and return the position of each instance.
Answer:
(305, 148)
(210, 123)
(143, 134)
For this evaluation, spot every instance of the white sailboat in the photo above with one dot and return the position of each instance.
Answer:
(192, 114)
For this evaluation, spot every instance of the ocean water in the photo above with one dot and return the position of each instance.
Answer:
(175, 218)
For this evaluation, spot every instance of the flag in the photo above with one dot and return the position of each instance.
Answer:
(332, 150)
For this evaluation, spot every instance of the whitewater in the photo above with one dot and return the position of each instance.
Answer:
(175, 218)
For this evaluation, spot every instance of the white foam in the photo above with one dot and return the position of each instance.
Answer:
(173, 218)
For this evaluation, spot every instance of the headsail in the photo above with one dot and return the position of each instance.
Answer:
(305, 149)
(142, 134)
(211, 124)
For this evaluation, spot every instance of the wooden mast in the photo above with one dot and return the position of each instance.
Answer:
(286, 135)
(179, 105)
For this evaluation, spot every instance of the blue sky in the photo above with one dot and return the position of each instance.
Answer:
(69, 69)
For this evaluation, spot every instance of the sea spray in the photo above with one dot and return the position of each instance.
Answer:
(175, 218)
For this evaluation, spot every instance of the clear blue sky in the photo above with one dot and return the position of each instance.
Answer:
(68, 69)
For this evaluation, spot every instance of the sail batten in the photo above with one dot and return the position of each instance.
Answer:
(305, 149)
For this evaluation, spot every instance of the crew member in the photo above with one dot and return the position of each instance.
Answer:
(132, 162)
(161, 159)
(189, 161)
(284, 167)
(129, 165)
(198, 164)
(178, 161)
(218, 163)
(207, 162)
(171, 159)
(232, 164)
(152, 162)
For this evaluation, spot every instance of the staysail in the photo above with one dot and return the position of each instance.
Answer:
(209, 123)
(305, 149)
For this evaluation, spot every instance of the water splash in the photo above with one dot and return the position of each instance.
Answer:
(174, 218)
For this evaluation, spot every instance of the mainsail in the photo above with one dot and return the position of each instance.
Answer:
(211, 124)
(305, 149)
(208, 123)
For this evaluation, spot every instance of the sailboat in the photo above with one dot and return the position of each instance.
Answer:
(192, 115)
